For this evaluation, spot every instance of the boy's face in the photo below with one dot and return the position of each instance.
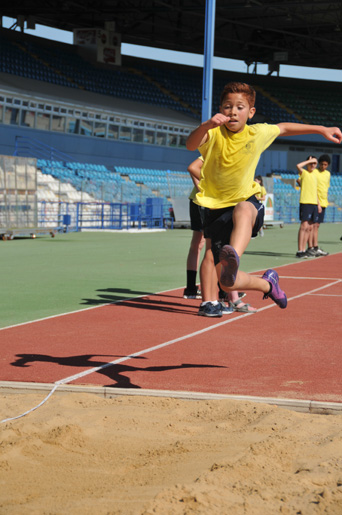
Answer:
(311, 166)
(323, 165)
(236, 106)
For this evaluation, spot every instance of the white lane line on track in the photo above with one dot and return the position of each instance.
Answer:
(51, 317)
(325, 295)
(311, 278)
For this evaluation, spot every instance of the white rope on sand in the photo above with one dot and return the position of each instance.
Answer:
(32, 409)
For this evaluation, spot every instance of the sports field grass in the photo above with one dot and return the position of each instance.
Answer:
(49, 276)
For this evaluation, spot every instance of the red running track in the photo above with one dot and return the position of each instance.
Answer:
(294, 353)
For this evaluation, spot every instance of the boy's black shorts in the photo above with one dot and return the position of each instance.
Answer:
(321, 215)
(308, 213)
(218, 225)
(196, 222)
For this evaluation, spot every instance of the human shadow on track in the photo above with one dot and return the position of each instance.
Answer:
(114, 372)
(113, 295)
(157, 302)
(327, 242)
(268, 253)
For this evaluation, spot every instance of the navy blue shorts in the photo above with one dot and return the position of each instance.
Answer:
(218, 225)
(321, 215)
(196, 222)
(308, 213)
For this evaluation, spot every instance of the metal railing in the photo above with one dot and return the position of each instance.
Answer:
(101, 215)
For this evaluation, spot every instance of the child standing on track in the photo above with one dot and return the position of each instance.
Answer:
(210, 306)
(261, 196)
(323, 185)
(309, 206)
(231, 150)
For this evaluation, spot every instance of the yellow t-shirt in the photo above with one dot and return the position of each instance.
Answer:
(230, 160)
(323, 184)
(308, 188)
(262, 193)
(193, 193)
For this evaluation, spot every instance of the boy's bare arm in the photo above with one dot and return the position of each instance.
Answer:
(200, 135)
(301, 166)
(194, 180)
(296, 129)
(194, 169)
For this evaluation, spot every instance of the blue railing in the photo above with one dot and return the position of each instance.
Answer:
(31, 147)
(100, 215)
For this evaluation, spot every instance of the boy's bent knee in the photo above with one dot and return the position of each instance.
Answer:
(227, 288)
(246, 210)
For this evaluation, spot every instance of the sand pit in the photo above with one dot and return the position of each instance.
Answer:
(83, 454)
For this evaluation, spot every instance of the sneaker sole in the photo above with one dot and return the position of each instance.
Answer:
(230, 265)
(210, 316)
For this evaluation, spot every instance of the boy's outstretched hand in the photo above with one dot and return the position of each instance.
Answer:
(333, 134)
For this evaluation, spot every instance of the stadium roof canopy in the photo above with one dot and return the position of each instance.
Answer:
(296, 32)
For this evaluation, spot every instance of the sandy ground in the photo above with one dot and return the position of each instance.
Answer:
(83, 454)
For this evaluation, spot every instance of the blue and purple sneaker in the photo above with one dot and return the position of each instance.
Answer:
(276, 293)
(230, 264)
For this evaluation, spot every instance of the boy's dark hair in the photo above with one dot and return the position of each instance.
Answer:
(324, 157)
(239, 87)
(311, 157)
(259, 177)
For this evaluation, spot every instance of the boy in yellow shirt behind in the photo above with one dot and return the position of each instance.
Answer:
(309, 205)
(323, 185)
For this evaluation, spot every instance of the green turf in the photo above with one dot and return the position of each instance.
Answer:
(48, 276)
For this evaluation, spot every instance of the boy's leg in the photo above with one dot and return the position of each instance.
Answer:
(244, 219)
(238, 304)
(196, 245)
(313, 239)
(320, 220)
(303, 235)
(208, 276)
(244, 216)
(268, 284)
(209, 307)
(303, 231)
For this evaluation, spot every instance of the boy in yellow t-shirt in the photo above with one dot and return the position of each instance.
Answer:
(323, 185)
(231, 151)
(261, 196)
(309, 206)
